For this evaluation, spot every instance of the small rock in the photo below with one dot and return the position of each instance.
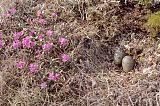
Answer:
(118, 56)
(128, 63)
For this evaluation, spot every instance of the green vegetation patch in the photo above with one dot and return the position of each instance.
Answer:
(154, 24)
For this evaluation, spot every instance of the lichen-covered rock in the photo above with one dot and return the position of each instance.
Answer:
(128, 63)
(118, 56)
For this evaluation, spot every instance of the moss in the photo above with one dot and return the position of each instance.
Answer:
(154, 24)
(145, 2)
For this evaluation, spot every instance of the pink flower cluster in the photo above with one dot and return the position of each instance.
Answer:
(39, 13)
(47, 46)
(16, 44)
(20, 64)
(17, 35)
(63, 41)
(33, 67)
(41, 21)
(65, 57)
(50, 33)
(43, 85)
(40, 37)
(53, 76)
(27, 42)
(44, 44)
(10, 12)
(54, 14)
(32, 32)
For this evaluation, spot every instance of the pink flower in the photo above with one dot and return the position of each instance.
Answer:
(43, 85)
(32, 33)
(54, 14)
(33, 44)
(63, 41)
(17, 35)
(20, 64)
(7, 15)
(65, 57)
(53, 77)
(50, 33)
(26, 42)
(35, 20)
(38, 52)
(42, 21)
(47, 46)
(1, 43)
(16, 44)
(39, 13)
(33, 67)
(40, 36)
(12, 11)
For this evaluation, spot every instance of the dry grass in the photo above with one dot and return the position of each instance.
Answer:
(95, 28)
